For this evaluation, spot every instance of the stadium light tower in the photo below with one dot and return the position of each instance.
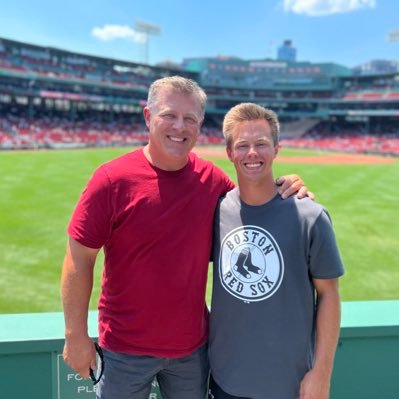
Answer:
(147, 29)
(394, 36)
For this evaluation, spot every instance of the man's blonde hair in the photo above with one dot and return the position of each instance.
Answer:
(249, 112)
(181, 85)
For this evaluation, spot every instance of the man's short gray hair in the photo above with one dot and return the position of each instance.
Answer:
(181, 85)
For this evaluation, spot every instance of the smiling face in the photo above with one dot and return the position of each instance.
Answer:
(252, 151)
(174, 123)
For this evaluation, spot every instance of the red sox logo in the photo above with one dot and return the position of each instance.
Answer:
(251, 266)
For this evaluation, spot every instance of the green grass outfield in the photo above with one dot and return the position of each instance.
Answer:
(38, 191)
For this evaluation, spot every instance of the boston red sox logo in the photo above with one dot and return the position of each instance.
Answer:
(251, 266)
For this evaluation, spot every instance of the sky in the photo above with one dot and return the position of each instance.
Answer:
(347, 32)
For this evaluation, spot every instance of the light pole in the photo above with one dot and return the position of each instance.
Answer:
(147, 29)
(394, 36)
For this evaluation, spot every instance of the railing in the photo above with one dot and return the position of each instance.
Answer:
(366, 364)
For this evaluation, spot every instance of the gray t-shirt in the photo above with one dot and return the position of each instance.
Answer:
(263, 302)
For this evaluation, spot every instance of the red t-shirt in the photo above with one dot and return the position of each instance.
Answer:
(156, 230)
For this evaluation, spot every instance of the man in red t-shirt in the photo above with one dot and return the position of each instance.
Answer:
(151, 211)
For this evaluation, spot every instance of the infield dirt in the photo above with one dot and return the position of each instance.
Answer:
(332, 159)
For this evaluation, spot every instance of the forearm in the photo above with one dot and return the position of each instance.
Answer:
(328, 318)
(76, 288)
(316, 382)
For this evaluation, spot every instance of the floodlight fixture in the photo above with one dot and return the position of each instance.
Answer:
(147, 29)
(394, 36)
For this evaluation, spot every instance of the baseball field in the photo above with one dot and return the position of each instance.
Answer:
(38, 191)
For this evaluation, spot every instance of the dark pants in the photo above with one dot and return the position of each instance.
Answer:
(130, 376)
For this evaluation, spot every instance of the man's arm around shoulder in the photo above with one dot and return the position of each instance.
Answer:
(293, 184)
(76, 287)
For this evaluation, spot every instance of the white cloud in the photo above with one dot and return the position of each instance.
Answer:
(111, 32)
(316, 8)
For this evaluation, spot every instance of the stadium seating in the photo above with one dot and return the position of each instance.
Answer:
(52, 98)
(346, 140)
(21, 133)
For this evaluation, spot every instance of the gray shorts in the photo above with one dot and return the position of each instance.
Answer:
(130, 376)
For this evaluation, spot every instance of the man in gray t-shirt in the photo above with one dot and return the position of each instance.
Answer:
(275, 311)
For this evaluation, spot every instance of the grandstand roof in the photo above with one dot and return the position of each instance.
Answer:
(41, 51)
